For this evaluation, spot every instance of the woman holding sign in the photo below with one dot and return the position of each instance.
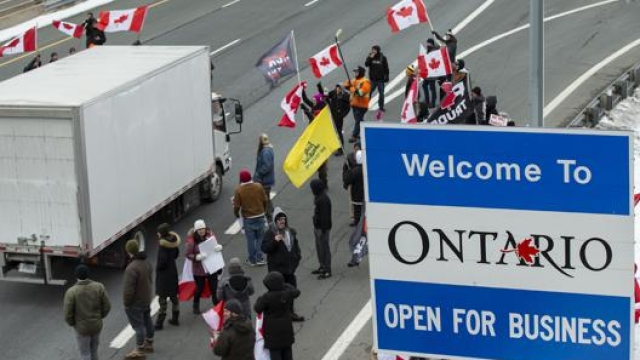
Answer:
(201, 276)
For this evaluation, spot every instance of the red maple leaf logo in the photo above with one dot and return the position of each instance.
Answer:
(525, 251)
(121, 19)
(67, 26)
(405, 11)
(434, 64)
(325, 61)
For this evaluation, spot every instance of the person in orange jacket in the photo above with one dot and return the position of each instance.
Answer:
(360, 90)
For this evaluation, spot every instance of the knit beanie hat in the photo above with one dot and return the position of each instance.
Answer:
(245, 176)
(132, 247)
(234, 267)
(199, 224)
(234, 306)
(82, 272)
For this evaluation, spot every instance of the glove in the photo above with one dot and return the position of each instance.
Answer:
(200, 256)
(218, 248)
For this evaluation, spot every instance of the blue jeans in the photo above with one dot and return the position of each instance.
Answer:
(88, 346)
(380, 86)
(358, 116)
(140, 320)
(254, 231)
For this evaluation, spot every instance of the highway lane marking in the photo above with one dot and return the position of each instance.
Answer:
(224, 47)
(585, 76)
(483, 44)
(311, 2)
(127, 333)
(350, 333)
(235, 227)
(231, 3)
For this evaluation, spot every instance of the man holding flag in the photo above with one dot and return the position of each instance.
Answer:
(360, 90)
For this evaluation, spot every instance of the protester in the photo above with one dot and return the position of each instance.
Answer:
(35, 63)
(450, 41)
(275, 306)
(338, 101)
(94, 35)
(249, 202)
(349, 163)
(378, 75)
(410, 74)
(429, 85)
(137, 296)
(491, 107)
(353, 179)
(311, 110)
(167, 275)
(53, 58)
(265, 171)
(201, 277)
(236, 286)
(237, 338)
(478, 104)
(283, 252)
(360, 89)
(85, 305)
(72, 50)
(322, 228)
(460, 73)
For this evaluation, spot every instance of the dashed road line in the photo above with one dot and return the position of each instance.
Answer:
(127, 333)
(214, 52)
(230, 3)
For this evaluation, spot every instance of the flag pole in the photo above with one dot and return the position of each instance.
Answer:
(295, 54)
(344, 63)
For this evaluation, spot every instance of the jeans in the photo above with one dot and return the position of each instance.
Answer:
(254, 231)
(281, 354)
(200, 283)
(358, 116)
(88, 346)
(322, 249)
(380, 86)
(140, 321)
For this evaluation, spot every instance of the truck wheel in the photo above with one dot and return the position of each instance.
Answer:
(115, 255)
(212, 186)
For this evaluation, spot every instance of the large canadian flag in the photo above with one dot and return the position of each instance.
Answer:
(290, 105)
(406, 13)
(187, 285)
(122, 20)
(408, 115)
(69, 28)
(325, 61)
(434, 64)
(20, 44)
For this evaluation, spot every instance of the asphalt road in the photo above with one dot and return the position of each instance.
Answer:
(32, 326)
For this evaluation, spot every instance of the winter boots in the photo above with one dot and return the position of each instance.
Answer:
(159, 325)
(174, 318)
(147, 346)
(136, 354)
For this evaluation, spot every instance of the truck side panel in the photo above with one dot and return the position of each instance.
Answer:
(38, 188)
(146, 143)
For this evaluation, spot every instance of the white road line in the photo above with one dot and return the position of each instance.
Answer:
(588, 74)
(311, 2)
(231, 3)
(235, 227)
(224, 47)
(127, 333)
(347, 336)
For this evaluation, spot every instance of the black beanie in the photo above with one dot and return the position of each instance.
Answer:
(82, 272)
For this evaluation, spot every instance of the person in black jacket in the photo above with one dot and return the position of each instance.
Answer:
(322, 228)
(275, 306)
(237, 338)
(35, 63)
(450, 41)
(167, 275)
(95, 36)
(353, 180)
(338, 101)
(378, 73)
(280, 243)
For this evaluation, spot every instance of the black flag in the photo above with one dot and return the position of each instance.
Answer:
(455, 107)
(278, 62)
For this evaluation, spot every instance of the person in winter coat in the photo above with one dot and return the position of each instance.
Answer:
(322, 228)
(35, 63)
(353, 180)
(94, 35)
(450, 41)
(275, 306)
(199, 235)
(237, 286)
(429, 85)
(167, 275)
(265, 171)
(237, 338)
(360, 90)
(338, 101)
(85, 305)
(478, 105)
(250, 201)
(137, 295)
(378, 74)
(491, 108)
(460, 72)
(283, 251)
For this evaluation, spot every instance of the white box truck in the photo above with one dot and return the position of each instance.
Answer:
(94, 145)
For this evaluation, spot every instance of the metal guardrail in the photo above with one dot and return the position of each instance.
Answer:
(617, 91)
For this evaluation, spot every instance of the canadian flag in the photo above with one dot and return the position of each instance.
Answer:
(122, 20)
(325, 61)
(434, 64)
(20, 44)
(214, 317)
(68, 28)
(408, 115)
(259, 352)
(290, 104)
(406, 13)
(187, 286)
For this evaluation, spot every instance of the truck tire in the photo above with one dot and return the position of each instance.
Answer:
(211, 187)
(115, 255)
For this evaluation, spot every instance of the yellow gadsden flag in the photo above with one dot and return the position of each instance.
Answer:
(318, 141)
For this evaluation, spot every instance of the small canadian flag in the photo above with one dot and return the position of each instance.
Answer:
(259, 352)
(24, 43)
(407, 13)
(122, 20)
(325, 61)
(408, 114)
(290, 105)
(434, 64)
(69, 28)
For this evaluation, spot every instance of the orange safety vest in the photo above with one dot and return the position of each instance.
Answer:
(364, 85)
